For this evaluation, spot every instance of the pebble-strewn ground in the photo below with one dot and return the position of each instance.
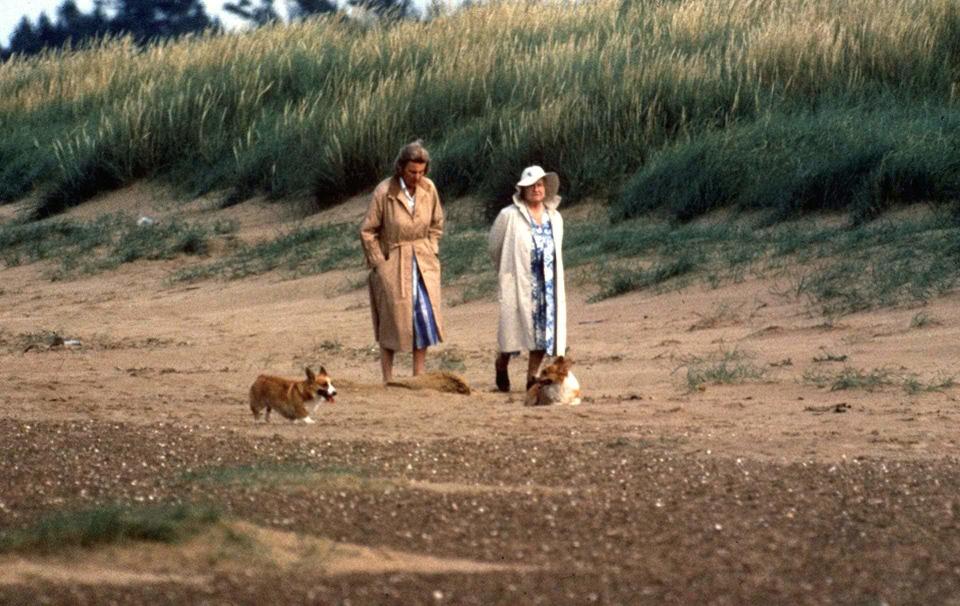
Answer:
(605, 521)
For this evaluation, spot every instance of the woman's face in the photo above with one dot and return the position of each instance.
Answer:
(412, 173)
(534, 194)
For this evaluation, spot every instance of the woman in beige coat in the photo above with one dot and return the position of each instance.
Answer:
(526, 244)
(400, 236)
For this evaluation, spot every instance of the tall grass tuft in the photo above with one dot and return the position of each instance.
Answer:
(593, 90)
(109, 524)
(858, 159)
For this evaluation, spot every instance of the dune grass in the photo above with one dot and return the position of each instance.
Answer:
(303, 250)
(313, 250)
(109, 524)
(856, 159)
(838, 268)
(90, 246)
(598, 91)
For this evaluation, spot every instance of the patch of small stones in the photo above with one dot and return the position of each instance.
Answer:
(600, 519)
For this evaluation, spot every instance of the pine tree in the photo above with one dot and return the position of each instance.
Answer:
(149, 19)
(143, 19)
(300, 9)
(261, 14)
(50, 35)
(24, 39)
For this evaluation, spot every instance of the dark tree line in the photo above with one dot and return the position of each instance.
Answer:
(143, 19)
(261, 12)
(155, 19)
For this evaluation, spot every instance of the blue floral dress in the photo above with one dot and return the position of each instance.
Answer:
(542, 260)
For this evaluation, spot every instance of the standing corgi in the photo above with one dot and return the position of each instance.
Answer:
(555, 385)
(288, 396)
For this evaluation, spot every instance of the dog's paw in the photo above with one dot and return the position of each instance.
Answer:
(308, 421)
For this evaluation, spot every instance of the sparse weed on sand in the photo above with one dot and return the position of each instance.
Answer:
(923, 320)
(915, 385)
(479, 287)
(624, 281)
(250, 474)
(464, 257)
(451, 359)
(110, 524)
(309, 250)
(877, 379)
(288, 475)
(29, 340)
(830, 357)
(330, 346)
(842, 268)
(852, 378)
(302, 250)
(725, 367)
(839, 269)
(102, 243)
(724, 313)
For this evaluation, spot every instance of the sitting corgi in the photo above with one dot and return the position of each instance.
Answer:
(288, 396)
(555, 385)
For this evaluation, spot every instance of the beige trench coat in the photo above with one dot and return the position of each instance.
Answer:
(391, 236)
(510, 242)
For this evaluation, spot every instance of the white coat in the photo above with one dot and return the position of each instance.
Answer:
(510, 243)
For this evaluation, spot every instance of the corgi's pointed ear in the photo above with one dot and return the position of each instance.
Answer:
(310, 375)
(323, 370)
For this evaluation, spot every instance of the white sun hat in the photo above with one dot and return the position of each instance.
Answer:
(532, 174)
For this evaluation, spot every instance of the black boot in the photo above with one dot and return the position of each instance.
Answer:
(503, 377)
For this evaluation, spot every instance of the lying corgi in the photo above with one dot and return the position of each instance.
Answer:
(288, 396)
(555, 385)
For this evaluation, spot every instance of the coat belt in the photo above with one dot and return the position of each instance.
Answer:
(402, 245)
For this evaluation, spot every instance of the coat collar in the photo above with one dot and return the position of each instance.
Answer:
(551, 205)
(395, 191)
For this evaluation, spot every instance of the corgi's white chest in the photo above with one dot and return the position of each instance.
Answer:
(567, 392)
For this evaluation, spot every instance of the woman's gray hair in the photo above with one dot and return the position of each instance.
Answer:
(412, 152)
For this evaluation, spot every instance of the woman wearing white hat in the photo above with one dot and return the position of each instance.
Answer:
(525, 243)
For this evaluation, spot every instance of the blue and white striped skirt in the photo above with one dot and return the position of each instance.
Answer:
(424, 325)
